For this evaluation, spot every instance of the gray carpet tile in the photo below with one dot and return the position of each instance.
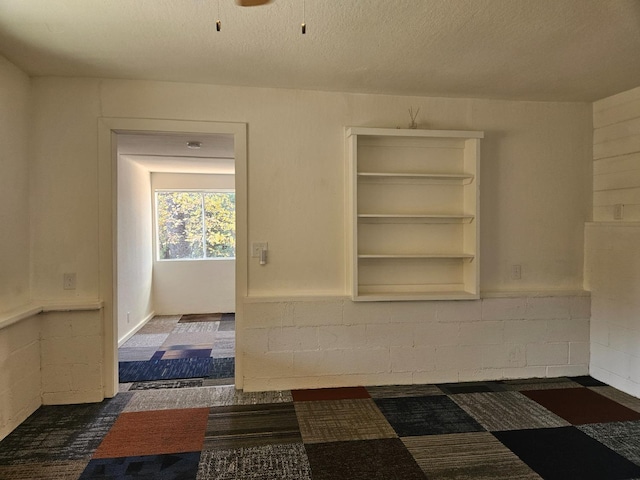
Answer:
(201, 397)
(391, 391)
(617, 396)
(160, 384)
(124, 387)
(136, 354)
(622, 437)
(227, 326)
(60, 470)
(201, 317)
(435, 415)
(196, 327)
(475, 455)
(539, 384)
(58, 433)
(242, 426)
(146, 340)
(471, 387)
(497, 411)
(216, 382)
(341, 420)
(268, 462)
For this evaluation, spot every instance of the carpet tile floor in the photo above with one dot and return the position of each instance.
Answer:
(580, 429)
(188, 425)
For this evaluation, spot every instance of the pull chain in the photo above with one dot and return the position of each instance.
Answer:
(304, 25)
(218, 23)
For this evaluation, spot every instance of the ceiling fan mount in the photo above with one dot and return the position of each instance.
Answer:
(252, 3)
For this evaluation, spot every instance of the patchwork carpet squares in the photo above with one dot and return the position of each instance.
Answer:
(564, 428)
(196, 346)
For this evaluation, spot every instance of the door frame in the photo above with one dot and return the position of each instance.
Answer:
(108, 129)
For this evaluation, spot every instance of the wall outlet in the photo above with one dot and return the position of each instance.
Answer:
(516, 272)
(257, 248)
(69, 281)
(618, 211)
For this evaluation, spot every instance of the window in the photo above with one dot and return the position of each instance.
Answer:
(196, 224)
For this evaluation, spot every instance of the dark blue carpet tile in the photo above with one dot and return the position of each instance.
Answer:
(174, 466)
(222, 368)
(62, 432)
(566, 453)
(383, 459)
(164, 369)
(435, 415)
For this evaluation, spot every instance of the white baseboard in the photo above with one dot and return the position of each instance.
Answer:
(136, 328)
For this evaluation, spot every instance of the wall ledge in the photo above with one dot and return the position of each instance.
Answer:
(619, 223)
(484, 294)
(23, 312)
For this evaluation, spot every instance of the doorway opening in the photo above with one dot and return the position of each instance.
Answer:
(175, 260)
(183, 308)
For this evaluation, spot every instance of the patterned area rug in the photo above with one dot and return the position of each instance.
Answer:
(196, 346)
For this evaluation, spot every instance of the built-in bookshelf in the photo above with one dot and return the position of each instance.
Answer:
(413, 214)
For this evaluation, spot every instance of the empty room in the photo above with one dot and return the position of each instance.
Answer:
(319, 239)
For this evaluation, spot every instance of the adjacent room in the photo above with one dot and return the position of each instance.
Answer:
(302, 239)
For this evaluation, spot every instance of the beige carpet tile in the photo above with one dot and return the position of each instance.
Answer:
(146, 340)
(159, 325)
(616, 395)
(394, 391)
(341, 420)
(242, 426)
(62, 470)
(474, 455)
(497, 411)
(194, 340)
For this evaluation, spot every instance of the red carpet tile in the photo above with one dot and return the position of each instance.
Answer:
(155, 432)
(345, 393)
(581, 405)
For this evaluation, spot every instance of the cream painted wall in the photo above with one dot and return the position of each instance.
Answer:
(135, 247)
(193, 286)
(535, 177)
(535, 198)
(612, 263)
(20, 377)
(616, 155)
(14, 186)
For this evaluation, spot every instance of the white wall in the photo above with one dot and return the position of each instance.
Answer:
(612, 265)
(535, 193)
(135, 247)
(206, 286)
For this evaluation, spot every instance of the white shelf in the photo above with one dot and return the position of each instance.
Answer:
(450, 178)
(401, 184)
(410, 218)
(434, 256)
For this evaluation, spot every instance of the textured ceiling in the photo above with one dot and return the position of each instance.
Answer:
(567, 50)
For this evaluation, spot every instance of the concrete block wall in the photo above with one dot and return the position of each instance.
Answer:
(20, 376)
(49, 358)
(336, 342)
(72, 357)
